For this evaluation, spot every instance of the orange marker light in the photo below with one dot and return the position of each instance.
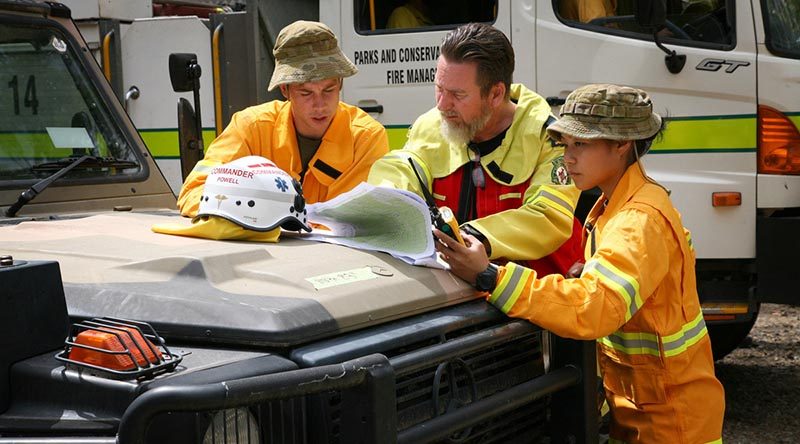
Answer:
(726, 199)
(106, 339)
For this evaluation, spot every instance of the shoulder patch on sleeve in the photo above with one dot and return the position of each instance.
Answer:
(559, 174)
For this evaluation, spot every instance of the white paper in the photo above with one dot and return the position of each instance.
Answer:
(372, 218)
(68, 137)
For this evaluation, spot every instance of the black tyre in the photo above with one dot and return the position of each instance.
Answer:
(726, 337)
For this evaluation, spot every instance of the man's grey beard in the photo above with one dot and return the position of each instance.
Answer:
(461, 134)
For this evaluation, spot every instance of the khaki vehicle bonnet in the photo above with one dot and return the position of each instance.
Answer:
(95, 221)
(233, 292)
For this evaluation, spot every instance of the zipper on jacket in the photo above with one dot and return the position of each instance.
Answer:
(466, 198)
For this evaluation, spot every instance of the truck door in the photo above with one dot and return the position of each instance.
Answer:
(710, 142)
(146, 46)
(397, 65)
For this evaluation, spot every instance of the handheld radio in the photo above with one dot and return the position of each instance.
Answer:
(442, 218)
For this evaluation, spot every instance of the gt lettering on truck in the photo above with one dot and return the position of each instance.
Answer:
(402, 75)
(714, 65)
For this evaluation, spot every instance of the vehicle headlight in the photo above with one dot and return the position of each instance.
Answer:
(233, 426)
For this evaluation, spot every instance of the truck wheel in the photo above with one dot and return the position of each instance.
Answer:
(726, 337)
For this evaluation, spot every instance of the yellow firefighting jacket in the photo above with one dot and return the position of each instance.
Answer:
(543, 222)
(637, 296)
(352, 143)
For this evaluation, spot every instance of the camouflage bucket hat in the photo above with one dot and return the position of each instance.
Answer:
(308, 52)
(607, 112)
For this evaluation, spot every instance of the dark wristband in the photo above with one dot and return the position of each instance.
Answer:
(487, 279)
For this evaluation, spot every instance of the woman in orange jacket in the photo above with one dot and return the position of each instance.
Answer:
(636, 294)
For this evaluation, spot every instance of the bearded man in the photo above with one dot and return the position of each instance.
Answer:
(484, 153)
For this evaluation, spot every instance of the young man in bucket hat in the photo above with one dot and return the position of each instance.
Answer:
(637, 293)
(324, 143)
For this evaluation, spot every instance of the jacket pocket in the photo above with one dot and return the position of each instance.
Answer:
(639, 384)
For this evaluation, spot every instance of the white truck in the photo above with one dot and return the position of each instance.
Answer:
(288, 342)
(726, 73)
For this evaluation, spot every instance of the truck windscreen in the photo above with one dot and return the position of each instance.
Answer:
(52, 112)
(782, 27)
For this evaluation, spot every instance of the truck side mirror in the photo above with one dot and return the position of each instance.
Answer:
(184, 73)
(652, 14)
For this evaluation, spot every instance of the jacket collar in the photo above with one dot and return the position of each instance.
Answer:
(335, 153)
(628, 185)
(513, 166)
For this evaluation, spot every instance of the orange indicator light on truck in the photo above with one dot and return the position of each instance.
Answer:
(726, 199)
(113, 349)
(778, 143)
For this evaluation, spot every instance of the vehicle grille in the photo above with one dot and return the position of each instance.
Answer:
(277, 422)
(493, 369)
(441, 362)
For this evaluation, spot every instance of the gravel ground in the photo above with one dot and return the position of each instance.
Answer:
(762, 380)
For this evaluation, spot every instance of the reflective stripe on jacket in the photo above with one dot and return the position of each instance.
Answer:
(637, 296)
(525, 163)
(352, 143)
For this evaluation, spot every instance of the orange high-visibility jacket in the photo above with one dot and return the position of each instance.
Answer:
(637, 296)
(352, 143)
(532, 188)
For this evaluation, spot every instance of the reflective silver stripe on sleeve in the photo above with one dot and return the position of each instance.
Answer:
(509, 288)
(557, 200)
(622, 282)
(199, 168)
(395, 155)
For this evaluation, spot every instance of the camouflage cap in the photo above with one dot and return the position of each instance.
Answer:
(603, 111)
(308, 52)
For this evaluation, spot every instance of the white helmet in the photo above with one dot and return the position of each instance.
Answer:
(254, 193)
